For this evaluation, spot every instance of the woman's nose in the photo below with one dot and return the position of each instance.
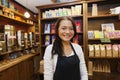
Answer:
(68, 30)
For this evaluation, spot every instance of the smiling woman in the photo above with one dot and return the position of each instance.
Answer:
(64, 60)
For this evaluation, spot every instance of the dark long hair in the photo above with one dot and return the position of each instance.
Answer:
(57, 45)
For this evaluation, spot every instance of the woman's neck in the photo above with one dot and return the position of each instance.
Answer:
(67, 48)
(66, 44)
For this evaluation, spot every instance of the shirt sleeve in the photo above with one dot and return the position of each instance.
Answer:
(83, 69)
(48, 64)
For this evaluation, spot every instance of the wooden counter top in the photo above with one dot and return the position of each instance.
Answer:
(7, 64)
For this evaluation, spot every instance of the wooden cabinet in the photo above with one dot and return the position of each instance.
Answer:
(17, 21)
(107, 66)
(23, 68)
(26, 69)
(22, 71)
(48, 15)
(10, 73)
(104, 67)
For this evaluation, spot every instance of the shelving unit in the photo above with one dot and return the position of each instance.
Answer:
(26, 64)
(19, 25)
(43, 21)
(89, 23)
(94, 23)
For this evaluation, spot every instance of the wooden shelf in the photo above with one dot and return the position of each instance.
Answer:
(80, 33)
(18, 50)
(43, 19)
(103, 38)
(44, 46)
(4, 53)
(14, 21)
(104, 76)
(103, 16)
(16, 12)
(47, 33)
(9, 63)
(104, 57)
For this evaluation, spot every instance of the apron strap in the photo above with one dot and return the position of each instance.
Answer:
(73, 48)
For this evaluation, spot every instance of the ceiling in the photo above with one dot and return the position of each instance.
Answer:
(31, 4)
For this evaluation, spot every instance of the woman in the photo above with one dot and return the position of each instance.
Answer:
(64, 60)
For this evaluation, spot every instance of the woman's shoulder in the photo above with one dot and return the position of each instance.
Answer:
(49, 46)
(77, 48)
(48, 51)
(76, 45)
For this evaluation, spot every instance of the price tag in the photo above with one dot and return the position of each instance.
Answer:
(105, 40)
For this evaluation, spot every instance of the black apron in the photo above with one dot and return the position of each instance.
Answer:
(67, 68)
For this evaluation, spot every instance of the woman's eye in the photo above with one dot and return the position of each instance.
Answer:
(63, 28)
(71, 28)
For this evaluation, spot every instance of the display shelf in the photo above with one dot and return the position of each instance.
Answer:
(103, 38)
(103, 66)
(52, 19)
(105, 76)
(5, 53)
(18, 51)
(24, 24)
(16, 12)
(107, 58)
(43, 19)
(9, 63)
(13, 21)
(104, 16)
(89, 23)
(17, 63)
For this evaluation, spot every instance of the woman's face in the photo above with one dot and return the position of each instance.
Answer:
(65, 30)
